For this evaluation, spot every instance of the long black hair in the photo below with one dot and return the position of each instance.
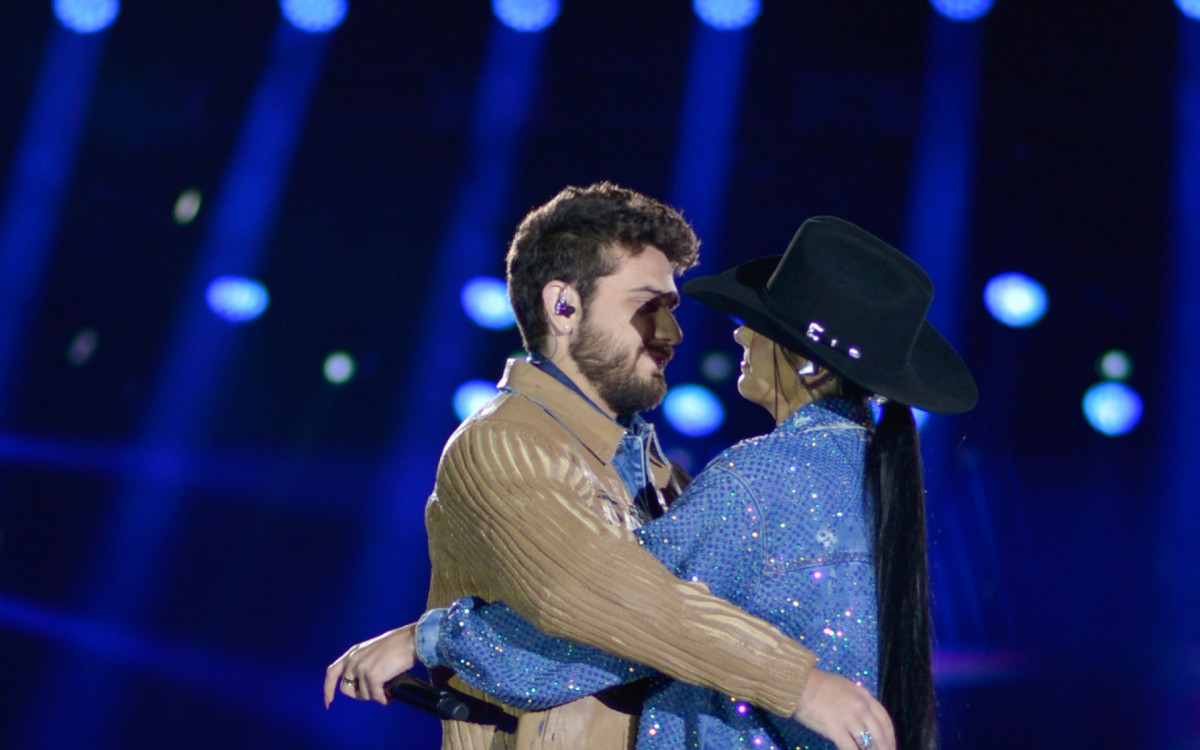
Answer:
(893, 477)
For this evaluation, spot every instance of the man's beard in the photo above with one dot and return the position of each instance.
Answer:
(614, 374)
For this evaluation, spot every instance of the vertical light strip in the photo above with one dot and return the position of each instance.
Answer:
(391, 575)
(127, 572)
(943, 162)
(1179, 557)
(36, 188)
(701, 173)
(1180, 353)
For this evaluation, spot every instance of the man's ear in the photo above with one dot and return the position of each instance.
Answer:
(559, 303)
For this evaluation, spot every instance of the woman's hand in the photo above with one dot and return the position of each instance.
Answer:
(366, 667)
(845, 713)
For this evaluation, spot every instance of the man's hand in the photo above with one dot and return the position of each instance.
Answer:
(363, 670)
(841, 711)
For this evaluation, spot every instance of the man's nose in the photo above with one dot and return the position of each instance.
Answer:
(666, 328)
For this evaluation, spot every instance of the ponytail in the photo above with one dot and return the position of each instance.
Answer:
(893, 478)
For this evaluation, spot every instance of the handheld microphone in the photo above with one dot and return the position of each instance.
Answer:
(446, 703)
(423, 695)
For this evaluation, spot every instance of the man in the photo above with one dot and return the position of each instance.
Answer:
(537, 494)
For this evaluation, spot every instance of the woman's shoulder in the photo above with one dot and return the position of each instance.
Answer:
(798, 440)
(744, 448)
(747, 455)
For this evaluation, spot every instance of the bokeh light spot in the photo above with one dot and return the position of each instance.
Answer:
(471, 396)
(87, 16)
(1114, 364)
(1112, 408)
(727, 15)
(82, 347)
(962, 10)
(187, 206)
(526, 15)
(1015, 300)
(693, 410)
(683, 458)
(314, 16)
(237, 299)
(485, 300)
(717, 367)
(339, 367)
(1189, 8)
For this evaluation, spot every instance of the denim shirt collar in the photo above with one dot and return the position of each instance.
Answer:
(637, 444)
(634, 423)
(539, 361)
(597, 432)
(829, 410)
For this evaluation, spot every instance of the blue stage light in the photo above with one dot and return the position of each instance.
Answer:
(187, 206)
(339, 368)
(1112, 408)
(471, 396)
(727, 15)
(237, 299)
(526, 15)
(1115, 365)
(684, 459)
(1189, 8)
(87, 16)
(920, 416)
(82, 347)
(693, 410)
(314, 16)
(717, 367)
(1015, 300)
(485, 300)
(962, 10)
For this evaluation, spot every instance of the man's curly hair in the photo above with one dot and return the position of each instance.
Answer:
(572, 238)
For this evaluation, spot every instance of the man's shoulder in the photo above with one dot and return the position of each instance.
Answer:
(514, 407)
(509, 411)
(536, 418)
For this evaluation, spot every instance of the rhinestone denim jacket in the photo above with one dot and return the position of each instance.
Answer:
(778, 525)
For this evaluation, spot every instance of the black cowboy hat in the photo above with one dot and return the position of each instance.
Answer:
(854, 303)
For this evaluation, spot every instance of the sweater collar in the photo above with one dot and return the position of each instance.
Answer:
(600, 433)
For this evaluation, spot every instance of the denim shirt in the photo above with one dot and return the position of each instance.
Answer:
(630, 460)
(776, 525)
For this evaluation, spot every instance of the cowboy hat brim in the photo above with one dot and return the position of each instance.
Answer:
(933, 377)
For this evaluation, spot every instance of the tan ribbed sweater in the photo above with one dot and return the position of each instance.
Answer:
(528, 509)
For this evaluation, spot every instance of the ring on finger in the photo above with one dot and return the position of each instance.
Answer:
(865, 741)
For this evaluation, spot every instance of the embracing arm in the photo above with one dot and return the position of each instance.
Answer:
(716, 532)
(510, 510)
(496, 651)
(509, 523)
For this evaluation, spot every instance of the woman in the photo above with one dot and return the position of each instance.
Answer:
(817, 526)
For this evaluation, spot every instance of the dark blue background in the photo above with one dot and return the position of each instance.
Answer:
(185, 586)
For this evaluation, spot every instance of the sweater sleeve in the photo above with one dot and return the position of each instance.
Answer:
(512, 504)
